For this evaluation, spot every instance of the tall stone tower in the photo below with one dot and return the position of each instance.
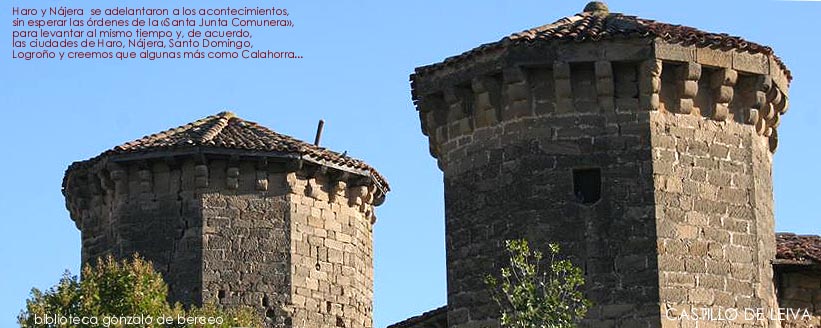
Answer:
(233, 213)
(643, 148)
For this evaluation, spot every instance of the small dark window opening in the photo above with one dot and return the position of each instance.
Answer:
(221, 294)
(265, 301)
(317, 266)
(270, 313)
(587, 185)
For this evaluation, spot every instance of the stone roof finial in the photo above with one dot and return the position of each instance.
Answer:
(227, 114)
(597, 8)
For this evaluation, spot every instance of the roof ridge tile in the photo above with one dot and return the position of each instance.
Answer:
(220, 124)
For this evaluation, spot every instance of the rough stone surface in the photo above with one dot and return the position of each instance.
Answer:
(713, 184)
(683, 141)
(288, 238)
(800, 290)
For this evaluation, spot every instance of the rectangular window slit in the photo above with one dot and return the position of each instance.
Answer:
(587, 185)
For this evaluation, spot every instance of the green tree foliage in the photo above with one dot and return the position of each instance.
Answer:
(122, 294)
(532, 294)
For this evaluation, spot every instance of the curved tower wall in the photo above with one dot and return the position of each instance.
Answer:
(676, 140)
(292, 239)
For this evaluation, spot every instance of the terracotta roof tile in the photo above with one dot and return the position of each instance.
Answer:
(431, 319)
(227, 131)
(602, 25)
(798, 249)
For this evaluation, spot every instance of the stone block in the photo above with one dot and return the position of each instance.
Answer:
(517, 91)
(714, 57)
(674, 52)
(718, 267)
(690, 71)
(671, 263)
(686, 106)
(649, 102)
(700, 296)
(723, 94)
(715, 251)
(716, 235)
(673, 295)
(616, 311)
(603, 69)
(561, 70)
(751, 63)
(695, 265)
(605, 87)
(680, 279)
(711, 282)
(564, 90)
(720, 112)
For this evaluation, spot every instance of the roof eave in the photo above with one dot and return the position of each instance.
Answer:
(196, 151)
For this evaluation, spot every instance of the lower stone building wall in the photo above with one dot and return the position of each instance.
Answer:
(714, 219)
(240, 233)
(516, 180)
(150, 209)
(246, 249)
(799, 291)
(298, 248)
(331, 253)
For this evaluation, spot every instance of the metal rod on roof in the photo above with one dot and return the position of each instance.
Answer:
(319, 132)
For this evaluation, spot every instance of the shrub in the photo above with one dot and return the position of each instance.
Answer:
(125, 293)
(532, 294)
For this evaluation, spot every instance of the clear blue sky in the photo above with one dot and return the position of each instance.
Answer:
(358, 55)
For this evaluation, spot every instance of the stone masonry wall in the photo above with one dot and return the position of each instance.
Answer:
(246, 249)
(332, 253)
(509, 174)
(712, 170)
(800, 291)
(298, 247)
(715, 232)
(151, 209)
(291, 240)
(683, 140)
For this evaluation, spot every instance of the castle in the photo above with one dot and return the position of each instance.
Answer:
(643, 148)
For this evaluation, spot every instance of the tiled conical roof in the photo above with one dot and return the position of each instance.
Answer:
(227, 131)
(597, 23)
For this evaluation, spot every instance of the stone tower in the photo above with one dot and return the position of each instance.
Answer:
(643, 148)
(233, 213)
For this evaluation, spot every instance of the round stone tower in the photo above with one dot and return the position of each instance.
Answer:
(233, 213)
(643, 148)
